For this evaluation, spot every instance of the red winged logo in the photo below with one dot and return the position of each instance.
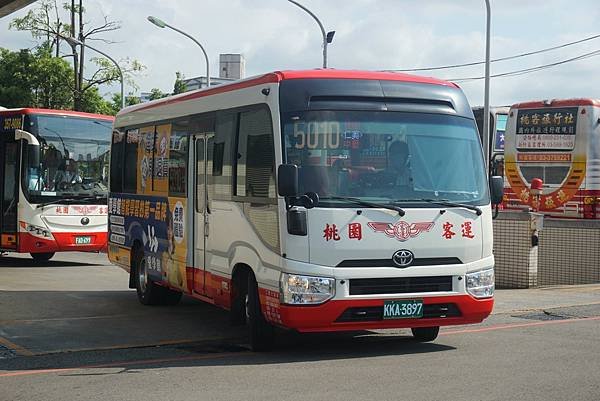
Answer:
(84, 209)
(401, 230)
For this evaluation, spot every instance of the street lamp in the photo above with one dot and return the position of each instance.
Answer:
(486, 102)
(327, 36)
(161, 24)
(74, 42)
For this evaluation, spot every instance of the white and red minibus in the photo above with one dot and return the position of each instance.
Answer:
(320, 200)
(53, 181)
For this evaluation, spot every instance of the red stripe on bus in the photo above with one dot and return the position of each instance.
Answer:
(67, 113)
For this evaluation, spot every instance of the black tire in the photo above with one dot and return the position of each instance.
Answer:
(262, 334)
(148, 292)
(425, 334)
(42, 257)
(170, 297)
(237, 314)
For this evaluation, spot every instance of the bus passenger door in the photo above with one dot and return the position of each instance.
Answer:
(9, 178)
(200, 214)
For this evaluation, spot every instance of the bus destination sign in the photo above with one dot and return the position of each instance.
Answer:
(547, 129)
(10, 123)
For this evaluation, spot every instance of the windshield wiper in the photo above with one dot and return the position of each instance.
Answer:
(443, 202)
(71, 200)
(361, 202)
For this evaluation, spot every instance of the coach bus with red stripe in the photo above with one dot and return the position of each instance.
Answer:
(53, 181)
(557, 141)
(314, 201)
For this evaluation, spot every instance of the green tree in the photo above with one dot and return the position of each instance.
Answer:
(115, 103)
(34, 80)
(16, 78)
(46, 23)
(179, 86)
(156, 93)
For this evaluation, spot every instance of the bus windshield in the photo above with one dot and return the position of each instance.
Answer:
(73, 159)
(386, 156)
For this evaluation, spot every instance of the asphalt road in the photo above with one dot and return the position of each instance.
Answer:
(72, 330)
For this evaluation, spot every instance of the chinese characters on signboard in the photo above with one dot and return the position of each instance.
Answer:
(547, 129)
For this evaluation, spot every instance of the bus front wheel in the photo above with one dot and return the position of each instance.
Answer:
(261, 332)
(42, 257)
(425, 334)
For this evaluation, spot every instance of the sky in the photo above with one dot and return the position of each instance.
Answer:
(370, 34)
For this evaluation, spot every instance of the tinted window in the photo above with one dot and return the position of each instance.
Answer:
(178, 159)
(222, 154)
(132, 140)
(256, 155)
(116, 162)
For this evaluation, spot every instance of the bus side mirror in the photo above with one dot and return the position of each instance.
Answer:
(30, 138)
(497, 189)
(287, 180)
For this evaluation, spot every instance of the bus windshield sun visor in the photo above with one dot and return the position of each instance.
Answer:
(380, 104)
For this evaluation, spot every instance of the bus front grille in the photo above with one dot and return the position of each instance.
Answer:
(400, 285)
(375, 313)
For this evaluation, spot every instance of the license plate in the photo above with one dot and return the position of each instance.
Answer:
(404, 309)
(83, 240)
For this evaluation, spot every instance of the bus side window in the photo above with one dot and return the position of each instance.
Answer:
(256, 155)
(130, 170)
(220, 181)
(116, 162)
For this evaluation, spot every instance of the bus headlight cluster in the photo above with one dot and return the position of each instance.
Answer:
(38, 231)
(306, 290)
(481, 284)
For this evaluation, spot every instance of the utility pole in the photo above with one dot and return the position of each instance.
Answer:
(81, 55)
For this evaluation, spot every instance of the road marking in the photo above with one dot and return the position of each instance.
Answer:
(127, 363)
(519, 325)
(144, 345)
(75, 318)
(15, 347)
(508, 311)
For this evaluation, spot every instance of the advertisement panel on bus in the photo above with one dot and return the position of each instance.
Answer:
(558, 142)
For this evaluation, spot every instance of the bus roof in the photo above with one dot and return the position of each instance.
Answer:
(68, 113)
(278, 76)
(557, 103)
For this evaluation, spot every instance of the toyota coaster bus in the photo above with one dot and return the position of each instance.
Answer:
(53, 181)
(320, 200)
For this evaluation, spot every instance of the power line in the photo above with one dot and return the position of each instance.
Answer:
(531, 69)
(445, 67)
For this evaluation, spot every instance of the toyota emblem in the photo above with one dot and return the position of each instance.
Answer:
(403, 258)
(85, 221)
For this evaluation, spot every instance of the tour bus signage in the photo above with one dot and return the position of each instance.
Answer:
(10, 123)
(547, 129)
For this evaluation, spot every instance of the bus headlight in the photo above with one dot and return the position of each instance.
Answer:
(38, 231)
(306, 290)
(481, 284)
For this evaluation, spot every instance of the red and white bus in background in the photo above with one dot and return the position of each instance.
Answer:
(557, 141)
(321, 200)
(53, 181)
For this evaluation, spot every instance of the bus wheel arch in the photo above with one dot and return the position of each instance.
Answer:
(239, 293)
(261, 332)
(135, 249)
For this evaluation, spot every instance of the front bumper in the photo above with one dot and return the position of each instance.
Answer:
(62, 242)
(333, 315)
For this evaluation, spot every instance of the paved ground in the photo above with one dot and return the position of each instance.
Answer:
(73, 330)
